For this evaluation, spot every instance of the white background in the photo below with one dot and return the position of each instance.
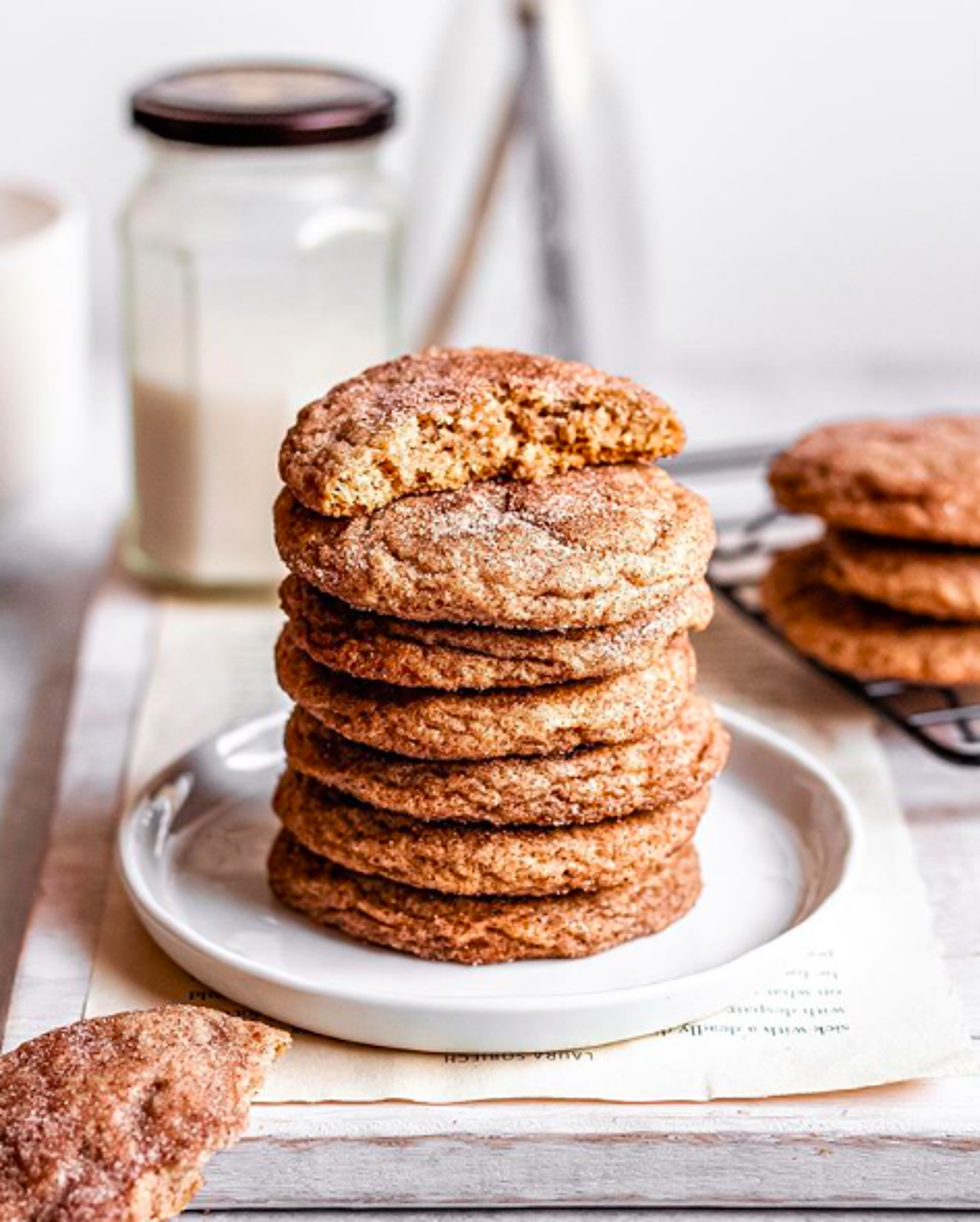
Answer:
(807, 171)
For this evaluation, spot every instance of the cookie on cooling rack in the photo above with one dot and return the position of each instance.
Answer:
(910, 479)
(861, 638)
(930, 579)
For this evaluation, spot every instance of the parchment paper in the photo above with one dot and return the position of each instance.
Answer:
(872, 1005)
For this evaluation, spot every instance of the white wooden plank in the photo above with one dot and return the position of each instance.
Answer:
(942, 805)
(504, 1155)
(583, 1215)
(48, 576)
(55, 965)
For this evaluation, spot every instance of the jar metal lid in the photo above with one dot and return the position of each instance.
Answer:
(263, 105)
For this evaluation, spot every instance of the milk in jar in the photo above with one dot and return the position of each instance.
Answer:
(261, 264)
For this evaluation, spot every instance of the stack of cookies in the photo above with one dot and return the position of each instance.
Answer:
(892, 590)
(496, 752)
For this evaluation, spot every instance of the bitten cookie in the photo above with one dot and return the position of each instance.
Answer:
(923, 578)
(582, 550)
(468, 859)
(862, 638)
(426, 724)
(112, 1119)
(444, 418)
(582, 786)
(451, 657)
(481, 929)
(914, 479)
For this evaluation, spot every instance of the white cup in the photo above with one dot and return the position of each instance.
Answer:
(43, 335)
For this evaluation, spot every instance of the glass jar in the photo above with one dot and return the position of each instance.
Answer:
(261, 252)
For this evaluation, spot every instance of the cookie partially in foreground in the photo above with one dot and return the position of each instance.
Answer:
(481, 929)
(468, 859)
(581, 786)
(581, 550)
(913, 479)
(862, 638)
(454, 656)
(929, 579)
(443, 418)
(111, 1119)
(426, 724)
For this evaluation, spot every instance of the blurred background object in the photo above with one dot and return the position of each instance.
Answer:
(43, 335)
(523, 130)
(805, 170)
(261, 248)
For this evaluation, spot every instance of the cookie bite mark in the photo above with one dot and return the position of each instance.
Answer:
(112, 1119)
(444, 418)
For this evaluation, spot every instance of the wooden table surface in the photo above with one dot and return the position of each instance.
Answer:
(51, 554)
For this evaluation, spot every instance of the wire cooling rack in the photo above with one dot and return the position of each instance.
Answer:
(944, 720)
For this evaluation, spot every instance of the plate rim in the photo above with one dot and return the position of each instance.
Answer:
(150, 911)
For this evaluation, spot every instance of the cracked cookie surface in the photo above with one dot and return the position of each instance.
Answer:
(111, 1119)
(587, 549)
(582, 786)
(470, 859)
(428, 724)
(453, 656)
(914, 479)
(481, 929)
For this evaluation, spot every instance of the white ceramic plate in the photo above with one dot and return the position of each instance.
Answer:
(779, 848)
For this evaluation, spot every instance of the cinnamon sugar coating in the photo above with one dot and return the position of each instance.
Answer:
(582, 550)
(912, 479)
(454, 656)
(582, 786)
(935, 580)
(863, 638)
(445, 418)
(479, 859)
(481, 929)
(111, 1119)
(427, 724)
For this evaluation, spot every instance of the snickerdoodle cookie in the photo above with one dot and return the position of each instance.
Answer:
(862, 638)
(913, 479)
(582, 786)
(481, 929)
(112, 1119)
(427, 724)
(929, 579)
(581, 550)
(452, 656)
(444, 418)
(470, 859)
